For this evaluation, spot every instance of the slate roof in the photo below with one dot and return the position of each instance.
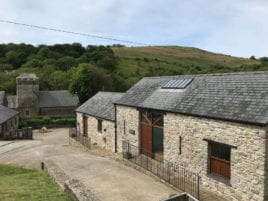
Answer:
(101, 105)
(6, 113)
(239, 97)
(57, 99)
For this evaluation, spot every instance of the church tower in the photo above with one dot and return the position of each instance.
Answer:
(27, 94)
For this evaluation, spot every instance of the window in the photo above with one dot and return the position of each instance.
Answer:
(177, 83)
(124, 127)
(220, 160)
(99, 125)
(27, 112)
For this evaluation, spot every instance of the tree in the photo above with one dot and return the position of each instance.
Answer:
(88, 80)
(65, 63)
(81, 82)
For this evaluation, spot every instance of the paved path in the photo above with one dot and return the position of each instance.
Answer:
(106, 178)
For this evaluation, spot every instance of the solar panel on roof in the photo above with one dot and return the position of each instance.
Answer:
(177, 83)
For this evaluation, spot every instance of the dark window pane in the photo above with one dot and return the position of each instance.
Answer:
(157, 119)
(221, 151)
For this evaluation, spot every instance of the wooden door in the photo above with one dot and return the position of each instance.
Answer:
(220, 160)
(85, 126)
(146, 139)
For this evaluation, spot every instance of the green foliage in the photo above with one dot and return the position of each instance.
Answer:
(88, 80)
(111, 68)
(27, 184)
(48, 121)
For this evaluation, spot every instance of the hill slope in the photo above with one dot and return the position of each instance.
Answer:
(137, 62)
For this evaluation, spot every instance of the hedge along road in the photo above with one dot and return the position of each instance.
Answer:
(104, 177)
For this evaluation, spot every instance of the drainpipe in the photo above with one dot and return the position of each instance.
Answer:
(115, 129)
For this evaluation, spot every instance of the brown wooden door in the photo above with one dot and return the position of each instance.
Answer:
(220, 167)
(146, 139)
(85, 126)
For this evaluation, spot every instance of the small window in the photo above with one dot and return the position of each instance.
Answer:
(124, 127)
(99, 125)
(27, 112)
(220, 159)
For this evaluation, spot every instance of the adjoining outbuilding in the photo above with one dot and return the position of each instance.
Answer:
(9, 120)
(96, 119)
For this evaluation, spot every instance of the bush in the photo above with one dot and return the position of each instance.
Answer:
(48, 122)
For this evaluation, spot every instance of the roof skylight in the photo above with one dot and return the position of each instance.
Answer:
(177, 83)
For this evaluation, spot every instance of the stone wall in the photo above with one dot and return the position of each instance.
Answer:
(127, 122)
(27, 95)
(104, 139)
(10, 125)
(247, 159)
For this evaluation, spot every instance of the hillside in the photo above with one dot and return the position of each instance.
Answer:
(87, 70)
(137, 62)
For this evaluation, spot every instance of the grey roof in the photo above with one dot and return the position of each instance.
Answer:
(6, 113)
(239, 97)
(101, 105)
(57, 99)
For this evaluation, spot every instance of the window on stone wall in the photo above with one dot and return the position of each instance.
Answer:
(27, 112)
(124, 127)
(99, 125)
(220, 160)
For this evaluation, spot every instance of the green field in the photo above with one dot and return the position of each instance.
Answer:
(137, 62)
(18, 184)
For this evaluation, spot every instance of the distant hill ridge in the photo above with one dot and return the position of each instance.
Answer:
(137, 62)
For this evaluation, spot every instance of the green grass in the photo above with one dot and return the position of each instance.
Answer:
(18, 184)
(137, 62)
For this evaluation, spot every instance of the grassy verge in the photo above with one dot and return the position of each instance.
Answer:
(26, 184)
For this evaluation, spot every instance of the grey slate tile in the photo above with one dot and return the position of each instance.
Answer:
(233, 96)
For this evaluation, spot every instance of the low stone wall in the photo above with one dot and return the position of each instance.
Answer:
(73, 187)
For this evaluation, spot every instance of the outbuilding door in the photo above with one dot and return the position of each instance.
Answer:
(85, 126)
(151, 125)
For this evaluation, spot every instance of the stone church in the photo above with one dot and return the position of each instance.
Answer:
(31, 102)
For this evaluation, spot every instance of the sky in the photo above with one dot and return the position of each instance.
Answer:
(237, 28)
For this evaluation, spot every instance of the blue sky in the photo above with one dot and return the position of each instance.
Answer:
(238, 28)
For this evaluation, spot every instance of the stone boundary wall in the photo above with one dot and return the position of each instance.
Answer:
(73, 187)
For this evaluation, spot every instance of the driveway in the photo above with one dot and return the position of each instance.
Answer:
(106, 178)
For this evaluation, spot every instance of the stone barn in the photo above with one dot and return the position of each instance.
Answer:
(9, 120)
(96, 119)
(214, 125)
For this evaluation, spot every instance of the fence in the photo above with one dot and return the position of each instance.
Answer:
(24, 133)
(175, 175)
(79, 137)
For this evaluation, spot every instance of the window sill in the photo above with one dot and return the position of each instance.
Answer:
(219, 179)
